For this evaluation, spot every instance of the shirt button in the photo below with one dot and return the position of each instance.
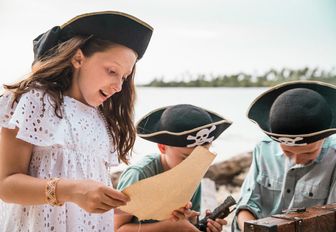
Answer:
(248, 189)
(288, 190)
(269, 185)
(311, 194)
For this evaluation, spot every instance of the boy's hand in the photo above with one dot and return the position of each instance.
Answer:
(192, 216)
(184, 213)
(215, 226)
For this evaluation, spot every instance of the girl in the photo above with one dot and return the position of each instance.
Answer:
(63, 126)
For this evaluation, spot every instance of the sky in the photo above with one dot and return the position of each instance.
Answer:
(190, 36)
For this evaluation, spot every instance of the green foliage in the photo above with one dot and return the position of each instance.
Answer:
(269, 78)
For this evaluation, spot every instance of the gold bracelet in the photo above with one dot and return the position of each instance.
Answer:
(50, 192)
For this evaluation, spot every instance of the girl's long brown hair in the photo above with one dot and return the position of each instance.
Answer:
(53, 75)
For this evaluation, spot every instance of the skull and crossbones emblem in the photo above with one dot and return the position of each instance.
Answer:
(201, 137)
(290, 141)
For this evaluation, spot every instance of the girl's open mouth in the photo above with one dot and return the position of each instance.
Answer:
(103, 93)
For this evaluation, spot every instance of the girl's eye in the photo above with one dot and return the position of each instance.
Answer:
(110, 71)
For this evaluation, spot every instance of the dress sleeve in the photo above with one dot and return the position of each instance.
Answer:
(34, 116)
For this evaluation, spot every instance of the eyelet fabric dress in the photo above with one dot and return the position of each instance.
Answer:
(55, 155)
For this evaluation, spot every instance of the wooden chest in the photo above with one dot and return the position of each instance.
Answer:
(314, 219)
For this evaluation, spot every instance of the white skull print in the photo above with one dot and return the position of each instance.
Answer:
(290, 141)
(201, 137)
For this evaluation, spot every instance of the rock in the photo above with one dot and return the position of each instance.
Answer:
(239, 179)
(230, 172)
(208, 196)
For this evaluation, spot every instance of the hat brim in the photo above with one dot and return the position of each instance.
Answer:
(112, 26)
(259, 110)
(148, 128)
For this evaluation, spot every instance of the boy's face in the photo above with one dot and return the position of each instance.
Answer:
(303, 154)
(175, 155)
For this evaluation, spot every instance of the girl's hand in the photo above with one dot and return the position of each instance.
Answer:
(95, 197)
(215, 226)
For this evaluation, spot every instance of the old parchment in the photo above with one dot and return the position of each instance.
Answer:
(156, 197)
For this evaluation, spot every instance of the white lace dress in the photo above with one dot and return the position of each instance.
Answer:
(56, 155)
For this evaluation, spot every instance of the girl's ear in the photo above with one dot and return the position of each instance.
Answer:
(77, 59)
(162, 148)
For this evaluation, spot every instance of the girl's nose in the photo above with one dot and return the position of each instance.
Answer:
(117, 86)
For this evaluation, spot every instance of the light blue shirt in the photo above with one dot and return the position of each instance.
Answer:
(273, 184)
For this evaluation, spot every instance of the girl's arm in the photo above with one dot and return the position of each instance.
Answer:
(16, 186)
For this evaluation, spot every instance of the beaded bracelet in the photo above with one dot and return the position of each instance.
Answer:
(50, 192)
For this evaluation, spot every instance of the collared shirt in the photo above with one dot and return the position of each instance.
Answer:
(273, 184)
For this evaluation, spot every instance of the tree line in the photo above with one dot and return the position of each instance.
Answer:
(269, 78)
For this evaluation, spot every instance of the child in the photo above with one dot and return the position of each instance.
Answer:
(177, 130)
(295, 166)
(70, 120)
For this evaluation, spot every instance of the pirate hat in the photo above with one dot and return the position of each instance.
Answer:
(181, 126)
(296, 113)
(113, 26)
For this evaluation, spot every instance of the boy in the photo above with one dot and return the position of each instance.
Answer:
(177, 130)
(296, 166)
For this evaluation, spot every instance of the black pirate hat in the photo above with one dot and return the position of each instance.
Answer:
(113, 26)
(296, 113)
(181, 126)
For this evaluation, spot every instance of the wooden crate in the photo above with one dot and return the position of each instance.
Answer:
(314, 219)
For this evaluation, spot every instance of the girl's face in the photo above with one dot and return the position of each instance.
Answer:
(98, 77)
(303, 154)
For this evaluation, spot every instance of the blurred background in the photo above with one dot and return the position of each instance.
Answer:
(206, 52)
